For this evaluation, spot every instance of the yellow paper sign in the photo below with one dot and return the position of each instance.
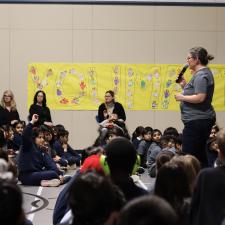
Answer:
(137, 86)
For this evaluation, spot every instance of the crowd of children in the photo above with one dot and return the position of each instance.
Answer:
(102, 191)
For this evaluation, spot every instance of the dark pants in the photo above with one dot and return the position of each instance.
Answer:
(194, 138)
(35, 178)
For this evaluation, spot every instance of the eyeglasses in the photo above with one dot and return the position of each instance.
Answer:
(190, 57)
(108, 96)
(7, 96)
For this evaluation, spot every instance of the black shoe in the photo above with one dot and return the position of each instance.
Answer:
(140, 170)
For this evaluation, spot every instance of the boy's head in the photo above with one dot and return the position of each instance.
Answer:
(167, 141)
(147, 135)
(156, 135)
(150, 210)
(120, 155)
(171, 131)
(38, 137)
(18, 126)
(63, 136)
(47, 133)
(93, 197)
(220, 139)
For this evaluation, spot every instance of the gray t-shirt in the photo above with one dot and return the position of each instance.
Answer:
(201, 82)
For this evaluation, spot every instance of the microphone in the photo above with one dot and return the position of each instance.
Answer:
(180, 75)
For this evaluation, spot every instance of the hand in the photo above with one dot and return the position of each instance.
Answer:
(182, 83)
(49, 124)
(35, 118)
(179, 97)
(105, 114)
(13, 121)
(64, 147)
(56, 158)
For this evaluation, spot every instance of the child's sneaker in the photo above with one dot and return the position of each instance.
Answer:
(50, 183)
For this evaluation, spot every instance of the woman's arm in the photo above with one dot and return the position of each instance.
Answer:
(101, 109)
(195, 99)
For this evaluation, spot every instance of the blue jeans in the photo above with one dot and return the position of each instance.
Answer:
(194, 138)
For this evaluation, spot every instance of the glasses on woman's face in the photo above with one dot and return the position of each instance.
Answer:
(40, 96)
(7, 96)
(189, 57)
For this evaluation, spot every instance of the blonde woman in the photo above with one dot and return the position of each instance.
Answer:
(8, 111)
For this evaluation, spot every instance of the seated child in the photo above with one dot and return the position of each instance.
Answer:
(35, 165)
(64, 150)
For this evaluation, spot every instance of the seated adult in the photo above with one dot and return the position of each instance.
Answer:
(110, 106)
(40, 108)
(8, 112)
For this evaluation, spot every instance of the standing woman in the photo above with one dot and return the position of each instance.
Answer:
(197, 113)
(8, 111)
(109, 107)
(40, 108)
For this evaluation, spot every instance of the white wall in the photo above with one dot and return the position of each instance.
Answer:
(103, 34)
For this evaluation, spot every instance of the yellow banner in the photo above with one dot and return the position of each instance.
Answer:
(137, 86)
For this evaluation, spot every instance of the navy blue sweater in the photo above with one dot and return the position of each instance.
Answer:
(33, 159)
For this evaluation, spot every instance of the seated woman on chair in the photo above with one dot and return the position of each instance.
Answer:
(109, 107)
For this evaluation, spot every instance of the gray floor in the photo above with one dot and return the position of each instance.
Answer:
(39, 202)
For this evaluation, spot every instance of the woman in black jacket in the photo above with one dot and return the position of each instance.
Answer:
(40, 108)
(109, 107)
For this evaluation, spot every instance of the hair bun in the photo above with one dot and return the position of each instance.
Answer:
(210, 57)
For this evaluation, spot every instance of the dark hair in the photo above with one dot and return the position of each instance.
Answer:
(11, 211)
(156, 130)
(63, 133)
(44, 102)
(165, 139)
(56, 129)
(178, 139)
(19, 122)
(163, 157)
(2, 138)
(35, 132)
(201, 54)
(59, 127)
(148, 210)
(112, 93)
(149, 129)
(116, 131)
(92, 198)
(171, 131)
(220, 140)
(138, 131)
(172, 185)
(45, 128)
(120, 155)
